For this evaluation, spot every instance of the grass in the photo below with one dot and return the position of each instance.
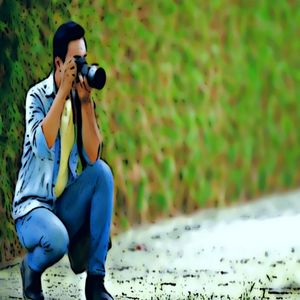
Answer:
(200, 108)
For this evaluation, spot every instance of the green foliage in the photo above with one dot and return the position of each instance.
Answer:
(200, 106)
(25, 58)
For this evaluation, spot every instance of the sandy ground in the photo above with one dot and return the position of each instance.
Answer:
(245, 252)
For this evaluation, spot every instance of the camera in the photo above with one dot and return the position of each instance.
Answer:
(96, 77)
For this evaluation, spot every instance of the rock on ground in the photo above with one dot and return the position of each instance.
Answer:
(249, 251)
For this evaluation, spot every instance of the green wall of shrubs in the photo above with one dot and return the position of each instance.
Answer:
(199, 110)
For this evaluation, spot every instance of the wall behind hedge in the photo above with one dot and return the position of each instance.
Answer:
(200, 107)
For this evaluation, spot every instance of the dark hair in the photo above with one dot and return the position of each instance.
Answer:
(64, 34)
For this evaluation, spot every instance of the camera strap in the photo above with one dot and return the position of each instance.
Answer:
(77, 119)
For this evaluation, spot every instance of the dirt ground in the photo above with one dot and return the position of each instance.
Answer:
(250, 251)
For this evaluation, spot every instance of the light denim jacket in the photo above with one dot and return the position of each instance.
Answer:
(39, 164)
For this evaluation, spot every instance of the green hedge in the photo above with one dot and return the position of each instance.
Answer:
(200, 107)
(26, 46)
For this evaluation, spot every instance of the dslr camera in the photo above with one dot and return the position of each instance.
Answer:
(96, 77)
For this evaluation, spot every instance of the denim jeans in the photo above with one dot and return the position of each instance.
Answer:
(47, 234)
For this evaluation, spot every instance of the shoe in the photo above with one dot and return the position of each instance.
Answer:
(95, 289)
(31, 281)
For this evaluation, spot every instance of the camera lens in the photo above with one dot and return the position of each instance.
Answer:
(96, 77)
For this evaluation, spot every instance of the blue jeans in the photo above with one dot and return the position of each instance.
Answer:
(46, 234)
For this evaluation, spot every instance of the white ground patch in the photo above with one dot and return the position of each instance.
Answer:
(246, 252)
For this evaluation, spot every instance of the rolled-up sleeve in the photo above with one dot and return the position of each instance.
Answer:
(35, 114)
